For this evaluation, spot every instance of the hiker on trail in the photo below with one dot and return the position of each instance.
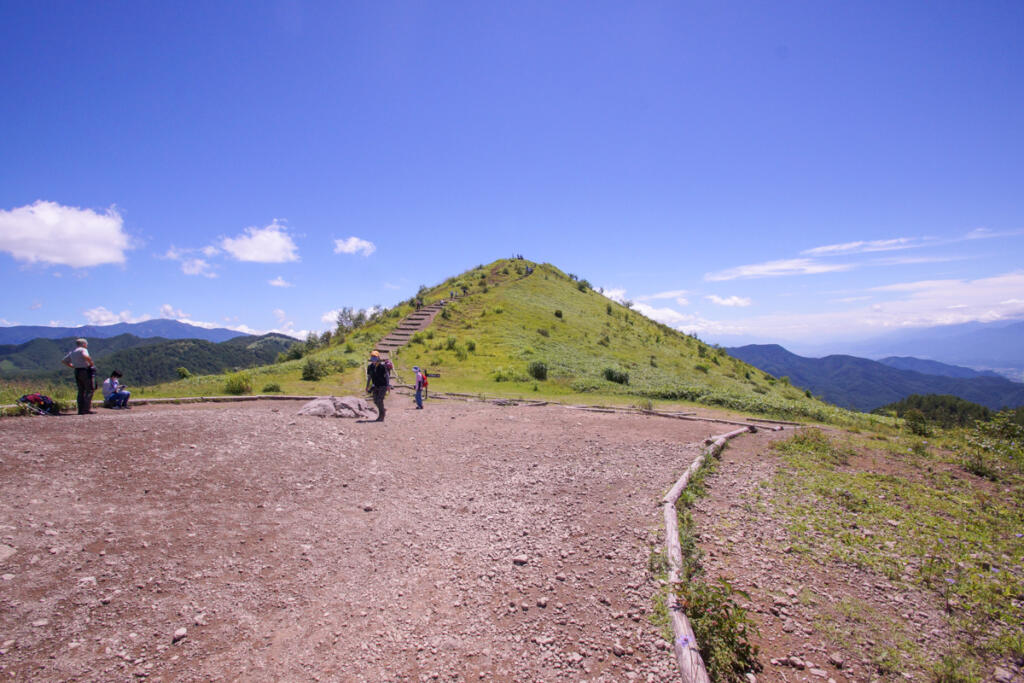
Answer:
(114, 394)
(421, 381)
(377, 378)
(85, 374)
(426, 383)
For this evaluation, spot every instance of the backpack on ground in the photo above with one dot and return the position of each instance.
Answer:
(39, 404)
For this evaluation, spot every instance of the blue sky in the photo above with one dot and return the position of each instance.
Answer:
(778, 171)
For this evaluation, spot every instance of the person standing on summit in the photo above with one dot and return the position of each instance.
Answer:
(378, 379)
(85, 374)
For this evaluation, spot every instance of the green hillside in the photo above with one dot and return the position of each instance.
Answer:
(543, 334)
(142, 360)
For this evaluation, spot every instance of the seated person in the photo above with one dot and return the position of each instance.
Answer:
(114, 393)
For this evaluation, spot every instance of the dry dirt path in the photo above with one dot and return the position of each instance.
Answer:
(463, 542)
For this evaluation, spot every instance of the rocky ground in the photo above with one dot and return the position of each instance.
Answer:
(235, 541)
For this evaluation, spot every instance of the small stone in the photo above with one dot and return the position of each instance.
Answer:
(1002, 675)
(39, 623)
(367, 508)
(542, 602)
(797, 663)
(618, 650)
(520, 560)
(200, 619)
(179, 634)
(836, 659)
(7, 577)
(820, 673)
(751, 678)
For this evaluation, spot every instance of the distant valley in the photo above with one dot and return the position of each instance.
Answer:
(864, 385)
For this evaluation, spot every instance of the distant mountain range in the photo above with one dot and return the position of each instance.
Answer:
(142, 360)
(864, 384)
(996, 346)
(168, 329)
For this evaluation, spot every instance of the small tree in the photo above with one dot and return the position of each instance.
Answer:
(183, 372)
(537, 370)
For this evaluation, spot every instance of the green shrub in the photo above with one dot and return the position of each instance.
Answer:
(537, 370)
(700, 367)
(507, 374)
(616, 375)
(450, 343)
(183, 372)
(544, 332)
(460, 353)
(314, 370)
(558, 312)
(238, 383)
(349, 348)
(608, 309)
(604, 340)
(272, 388)
(916, 422)
(470, 345)
(417, 338)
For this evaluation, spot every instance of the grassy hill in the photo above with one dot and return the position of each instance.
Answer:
(544, 334)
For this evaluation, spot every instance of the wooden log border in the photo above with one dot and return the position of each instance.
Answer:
(687, 652)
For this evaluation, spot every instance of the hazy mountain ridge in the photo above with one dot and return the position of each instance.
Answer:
(864, 384)
(162, 327)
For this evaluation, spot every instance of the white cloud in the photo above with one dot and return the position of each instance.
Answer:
(47, 232)
(734, 301)
(330, 317)
(616, 294)
(863, 246)
(169, 311)
(101, 316)
(269, 244)
(210, 251)
(280, 315)
(197, 266)
(354, 245)
(678, 294)
(279, 282)
(779, 268)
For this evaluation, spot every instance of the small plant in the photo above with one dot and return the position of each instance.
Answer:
(608, 309)
(645, 404)
(604, 340)
(272, 388)
(470, 345)
(450, 343)
(615, 375)
(183, 372)
(544, 332)
(445, 313)
(537, 370)
(417, 338)
(238, 383)
(558, 312)
(349, 348)
(701, 367)
(314, 370)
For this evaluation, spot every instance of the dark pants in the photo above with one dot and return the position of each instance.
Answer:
(378, 400)
(86, 385)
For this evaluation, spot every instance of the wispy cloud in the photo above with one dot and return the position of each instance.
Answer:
(679, 295)
(864, 246)
(279, 282)
(800, 266)
(354, 245)
(197, 266)
(269, 244)
(734, 301)
(50, 233)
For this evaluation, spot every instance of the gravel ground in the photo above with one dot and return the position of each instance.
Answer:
(229, 541)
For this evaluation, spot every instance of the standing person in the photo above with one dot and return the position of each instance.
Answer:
(426, 383)
(114, 393)
(420, 381)
(85, 374)
(377, 378)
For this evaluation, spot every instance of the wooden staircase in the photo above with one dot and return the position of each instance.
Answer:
(413, 323)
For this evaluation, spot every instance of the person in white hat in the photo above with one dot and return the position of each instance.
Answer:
(85, 374)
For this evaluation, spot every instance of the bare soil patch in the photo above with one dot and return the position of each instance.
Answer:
(242, 542)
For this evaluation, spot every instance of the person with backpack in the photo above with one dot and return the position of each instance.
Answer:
(421, 381)
(378, 379)
(85, 374)
(114, 394)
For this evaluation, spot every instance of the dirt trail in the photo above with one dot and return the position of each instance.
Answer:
(463, 542)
